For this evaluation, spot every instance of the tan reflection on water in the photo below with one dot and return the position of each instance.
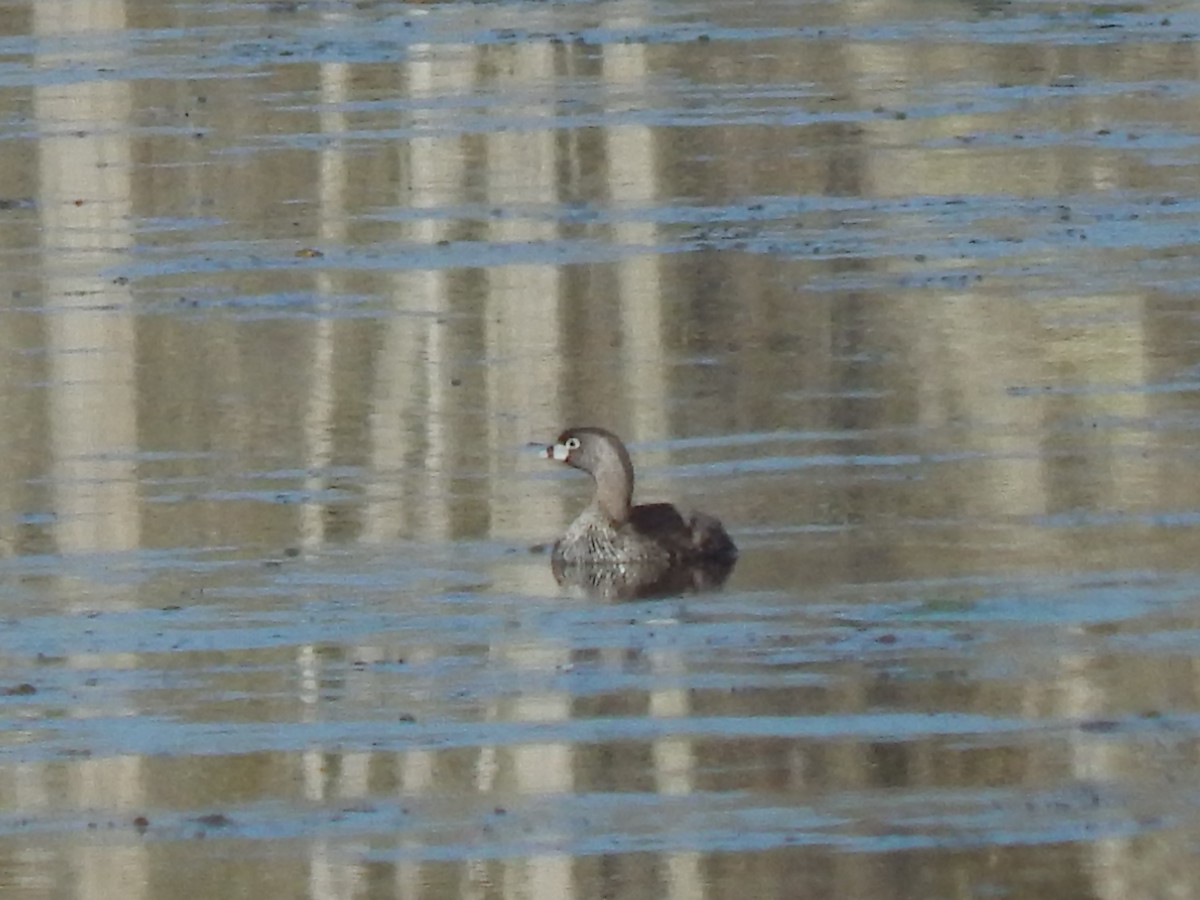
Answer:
(355, 295)
(84, 189)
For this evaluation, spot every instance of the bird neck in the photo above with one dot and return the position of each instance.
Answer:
(614, 489)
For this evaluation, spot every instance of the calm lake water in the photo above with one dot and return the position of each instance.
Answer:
(905, 293)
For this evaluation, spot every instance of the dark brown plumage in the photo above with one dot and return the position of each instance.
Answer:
(612, 530)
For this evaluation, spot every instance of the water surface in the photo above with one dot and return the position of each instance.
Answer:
(903, 292)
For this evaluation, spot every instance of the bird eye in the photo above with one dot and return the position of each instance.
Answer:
(572, 443)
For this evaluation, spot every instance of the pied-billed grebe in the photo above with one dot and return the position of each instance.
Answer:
(612, 530)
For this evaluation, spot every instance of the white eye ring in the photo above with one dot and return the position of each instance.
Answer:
(571, 443)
